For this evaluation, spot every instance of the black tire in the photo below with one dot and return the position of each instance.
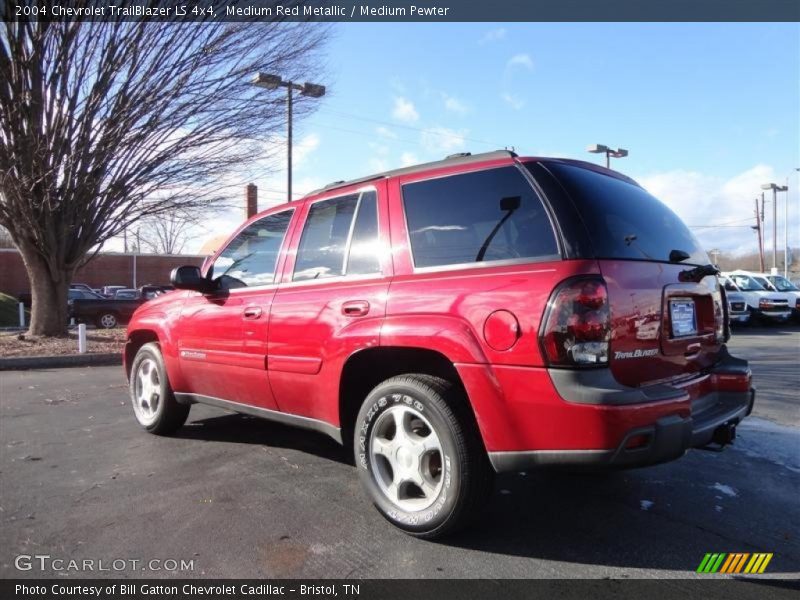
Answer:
(465, 476)
(107, 320)
(167, 415)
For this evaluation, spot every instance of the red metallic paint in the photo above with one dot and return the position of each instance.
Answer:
(291, 356)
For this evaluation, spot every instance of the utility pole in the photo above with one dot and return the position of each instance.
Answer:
(775, 189)
(759, 230)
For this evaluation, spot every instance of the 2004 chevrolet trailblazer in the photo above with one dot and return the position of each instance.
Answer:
(451, 320)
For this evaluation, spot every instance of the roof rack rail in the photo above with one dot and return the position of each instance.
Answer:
(460, 157)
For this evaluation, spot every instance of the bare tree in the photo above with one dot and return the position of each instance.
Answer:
(166, 234)
(5, 239)
(103, 124)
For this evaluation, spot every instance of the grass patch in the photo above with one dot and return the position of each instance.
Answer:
(9, 311)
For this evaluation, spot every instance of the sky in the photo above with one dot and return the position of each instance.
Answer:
(708, 112)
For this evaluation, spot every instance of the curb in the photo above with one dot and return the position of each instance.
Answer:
(22, 363)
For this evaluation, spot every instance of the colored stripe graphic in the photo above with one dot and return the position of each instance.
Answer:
(721, 562)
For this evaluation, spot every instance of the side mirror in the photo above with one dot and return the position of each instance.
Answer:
(189, 277)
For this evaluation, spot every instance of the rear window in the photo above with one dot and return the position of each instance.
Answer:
(478, 217)
(623, 220)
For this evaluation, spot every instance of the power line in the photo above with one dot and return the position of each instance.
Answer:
(427, 130)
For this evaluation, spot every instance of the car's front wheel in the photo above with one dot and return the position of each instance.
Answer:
(419, 455)
(154, 404)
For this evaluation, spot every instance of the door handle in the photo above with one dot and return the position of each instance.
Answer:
(355, 308)
(252, 312)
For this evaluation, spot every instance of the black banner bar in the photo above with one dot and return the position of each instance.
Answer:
(401, 589)
(403, 10)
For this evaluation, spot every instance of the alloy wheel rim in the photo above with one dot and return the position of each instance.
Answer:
(108, 321)
(405, 453)
(146, 391)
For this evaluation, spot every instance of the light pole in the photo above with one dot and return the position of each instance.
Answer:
(775, 189)
(714, 256)
(312, 90)
(601, 149)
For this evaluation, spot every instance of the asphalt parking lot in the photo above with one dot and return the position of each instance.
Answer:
(240, 497)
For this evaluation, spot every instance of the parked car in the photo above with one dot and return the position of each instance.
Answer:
(780, 284)
(109, 290)
(73, 293)
(82, 286)
(764, 306)
(151, 290)
(737, 308)
(82, 294)
(127, 294)
(104, 312)
(452, 320)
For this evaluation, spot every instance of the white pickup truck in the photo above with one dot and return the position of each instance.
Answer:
(763, 305)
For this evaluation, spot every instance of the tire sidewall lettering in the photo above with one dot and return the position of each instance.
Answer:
(411, 519)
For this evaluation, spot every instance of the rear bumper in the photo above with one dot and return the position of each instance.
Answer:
(666, 439)
(636, 426)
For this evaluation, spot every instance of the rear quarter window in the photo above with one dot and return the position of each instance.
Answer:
(623, 220)
(479, 217)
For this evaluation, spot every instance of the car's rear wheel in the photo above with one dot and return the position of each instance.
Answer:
(154, 403)
(419, 455)
(107, 320)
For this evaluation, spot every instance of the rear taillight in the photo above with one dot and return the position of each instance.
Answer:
(576, 330)
(720, 316)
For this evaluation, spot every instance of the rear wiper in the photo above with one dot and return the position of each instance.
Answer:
(696, 274)
(507, 205)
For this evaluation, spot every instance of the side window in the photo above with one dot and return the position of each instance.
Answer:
(339, 237)
(364, 257)
(250, 259)
(476, 217)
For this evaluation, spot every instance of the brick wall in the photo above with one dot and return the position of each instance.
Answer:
(104, 269)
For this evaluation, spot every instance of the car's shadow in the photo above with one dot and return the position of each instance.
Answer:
(243, 429)
(570, 517)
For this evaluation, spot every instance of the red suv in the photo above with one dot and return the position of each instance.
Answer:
(480, 314)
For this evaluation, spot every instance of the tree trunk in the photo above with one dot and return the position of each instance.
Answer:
(49, 291)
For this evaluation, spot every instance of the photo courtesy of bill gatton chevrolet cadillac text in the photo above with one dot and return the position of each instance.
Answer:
(481, 314)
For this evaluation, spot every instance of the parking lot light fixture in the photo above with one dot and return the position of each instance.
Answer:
(271, 81)
(775, 189)
(609, 152)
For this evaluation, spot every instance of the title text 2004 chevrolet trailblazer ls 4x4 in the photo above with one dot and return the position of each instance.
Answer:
(479, 314)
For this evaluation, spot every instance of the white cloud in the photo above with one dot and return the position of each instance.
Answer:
(513, 101)
(380, 149)
(493, 35)
(515, 63)
(520, 60)
(386, 132)
(441, 140)
(377, 165)
(302, 150)
(454, 105)
(404, 110)
(408, 158)
(702, 200)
